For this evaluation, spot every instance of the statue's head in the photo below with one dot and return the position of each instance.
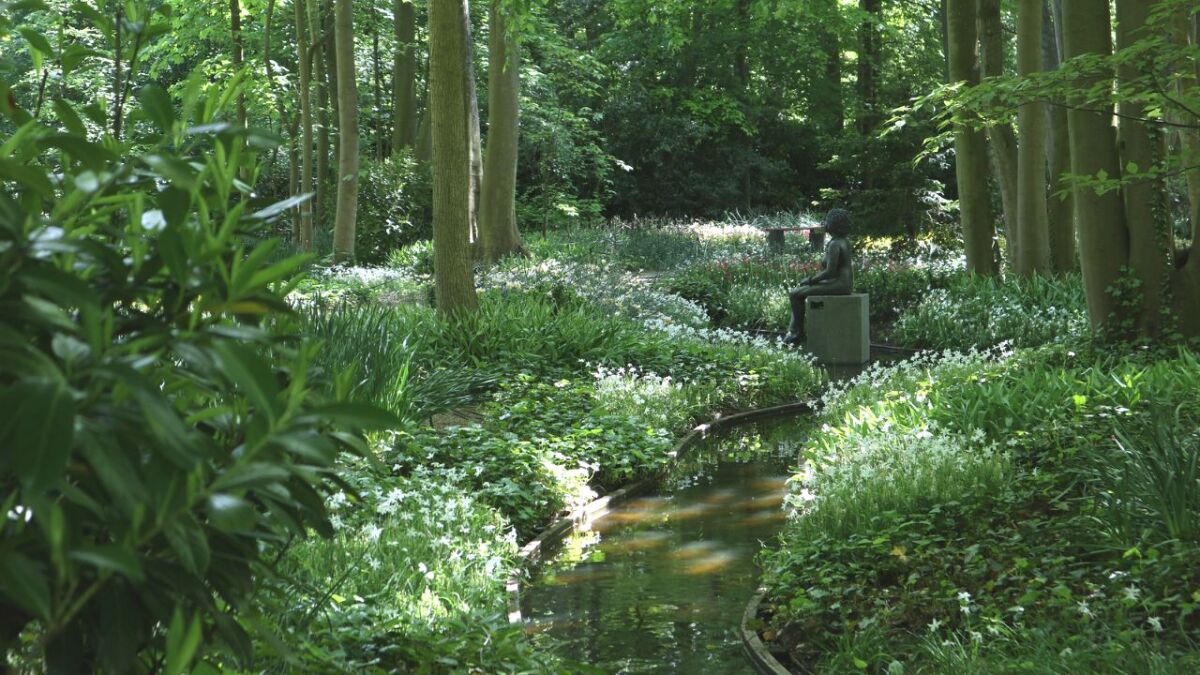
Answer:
(837, 222)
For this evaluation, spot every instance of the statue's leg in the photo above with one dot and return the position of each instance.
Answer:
(797, 297)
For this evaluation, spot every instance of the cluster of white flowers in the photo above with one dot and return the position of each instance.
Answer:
(896, 464)
(425, 536)
(652, 398)
(605, 286)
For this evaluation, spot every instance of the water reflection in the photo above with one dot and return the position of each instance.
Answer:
(659, 584)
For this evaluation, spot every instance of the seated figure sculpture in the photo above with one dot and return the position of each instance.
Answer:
(835, 278)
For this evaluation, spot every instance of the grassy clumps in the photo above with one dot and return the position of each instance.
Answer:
(981, 312)
(1012, 532)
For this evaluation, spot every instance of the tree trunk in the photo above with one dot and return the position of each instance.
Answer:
(1189, 139)
(970, 145)
(235, 29)
(498, 201)
(331, 81)
(1149, 243)
(450, 112)
(1060, 211)
(868, 64)
(1032, 229)
(1103, 237)
(320, 74)
(1003, 139)
(306, 125)
(377, 86)
(404, 74)
(347, 184)
(473, 128)
(826, 98)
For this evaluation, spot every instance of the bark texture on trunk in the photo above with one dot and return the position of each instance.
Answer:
(404, 77)
(320, 76)
(1103, 236)
(1149, 243)
(498, 200)
(235, 29)
(1060, 212)
(473, 127)
(1002, 138)
(450, 114)
(306, 125)
(1032, 229)
(347, 184)
(970, 145)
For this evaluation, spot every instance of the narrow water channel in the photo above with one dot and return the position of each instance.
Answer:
(659, 584)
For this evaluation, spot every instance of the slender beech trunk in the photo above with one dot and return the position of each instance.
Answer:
(1189, 139)
(1103, 236)
(318, 73)
(404, 77)
(331, 79)
(498, 199)
(970, 145)
(1001, 136)
(868, 66)
(1060, 211)
(1032, 229)
(449, 56)
(1149, 243)
(235, 29)
(377, 86)
(347, 94)
(828, 109)
(473, 129)
(306, 124)
(424, 149)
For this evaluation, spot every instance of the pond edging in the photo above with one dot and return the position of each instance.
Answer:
(764, 662)
(531, 552)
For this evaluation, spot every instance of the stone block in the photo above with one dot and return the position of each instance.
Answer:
(838, 328)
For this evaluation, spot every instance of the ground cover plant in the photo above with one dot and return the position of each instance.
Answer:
(997, 512)
(576, 379)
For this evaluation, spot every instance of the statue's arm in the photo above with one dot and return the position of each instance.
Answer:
(833, 262)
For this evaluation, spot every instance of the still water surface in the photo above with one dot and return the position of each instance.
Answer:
(659, 584)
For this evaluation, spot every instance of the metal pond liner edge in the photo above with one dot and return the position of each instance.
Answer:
(532, 552)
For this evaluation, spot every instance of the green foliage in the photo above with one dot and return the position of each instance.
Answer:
(981, 312)
(390, 213)
(1071, 548)
(163, 437)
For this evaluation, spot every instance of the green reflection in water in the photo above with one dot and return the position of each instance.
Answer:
(659, 584)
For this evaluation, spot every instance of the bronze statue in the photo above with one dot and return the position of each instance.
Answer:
(836, 276)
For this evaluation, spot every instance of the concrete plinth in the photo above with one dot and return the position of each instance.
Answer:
(838, 328)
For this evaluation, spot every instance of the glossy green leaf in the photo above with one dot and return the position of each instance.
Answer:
(110, 558)
(37, 431)
(24, 584)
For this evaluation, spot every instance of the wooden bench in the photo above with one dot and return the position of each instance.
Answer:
(775, 240)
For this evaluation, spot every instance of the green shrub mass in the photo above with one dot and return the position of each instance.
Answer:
(1032, 511)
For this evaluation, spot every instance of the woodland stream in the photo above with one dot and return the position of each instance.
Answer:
(658, 583)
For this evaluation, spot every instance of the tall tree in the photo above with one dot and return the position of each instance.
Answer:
(828, 108)
(1033, 233)
(1103, 236)
(1148, 234)
(404, 77)
(1003, 140)
(868, 64)
(1060, 211)
(450, 113)
(970, 144)
(235, 30)
(321, 75)
(498, 235)
(347, 184)
(1183, 35)
(306, 122)
(473, 128)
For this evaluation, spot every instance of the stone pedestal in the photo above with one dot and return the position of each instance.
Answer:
(838, 328)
